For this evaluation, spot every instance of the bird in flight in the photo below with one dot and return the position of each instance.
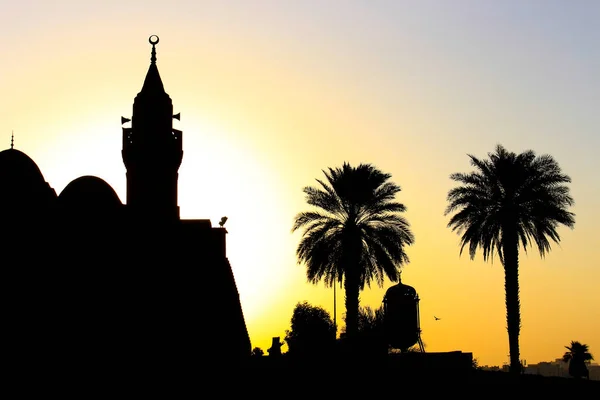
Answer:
(436, 318)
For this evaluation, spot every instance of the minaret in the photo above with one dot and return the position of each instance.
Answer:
(152, 150)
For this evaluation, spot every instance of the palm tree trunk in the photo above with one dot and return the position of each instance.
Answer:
(352, 282)
(510, 248)
(351, 288)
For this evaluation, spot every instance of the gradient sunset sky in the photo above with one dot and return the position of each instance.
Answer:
(273, 92)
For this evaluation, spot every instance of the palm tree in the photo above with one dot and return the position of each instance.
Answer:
(577, 356)
(508, 201)
(355, 235)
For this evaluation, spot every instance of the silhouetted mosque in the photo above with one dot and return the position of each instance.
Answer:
(90, 280)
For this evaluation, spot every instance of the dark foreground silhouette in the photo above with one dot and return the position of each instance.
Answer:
(350, 375)
(92, 286)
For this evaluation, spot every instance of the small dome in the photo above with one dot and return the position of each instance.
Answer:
(400, 291)
(89, 192)
(401, 316)
(17, 167)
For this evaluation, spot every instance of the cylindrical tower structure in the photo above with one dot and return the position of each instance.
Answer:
(401, 316)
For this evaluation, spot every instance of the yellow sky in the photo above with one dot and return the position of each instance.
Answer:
(271, 93)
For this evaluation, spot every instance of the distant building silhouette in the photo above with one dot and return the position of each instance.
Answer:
(92, 281)
(560, 368)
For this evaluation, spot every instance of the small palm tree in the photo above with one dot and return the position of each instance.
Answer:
(578, 356)
(508, 201)
(355, 235)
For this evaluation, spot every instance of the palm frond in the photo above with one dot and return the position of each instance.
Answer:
(527, 188)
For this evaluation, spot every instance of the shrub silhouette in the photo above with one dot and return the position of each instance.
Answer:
(371, 340)
(257, 352)
(312, 332)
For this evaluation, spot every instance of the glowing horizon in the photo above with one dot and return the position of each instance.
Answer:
(273, 93)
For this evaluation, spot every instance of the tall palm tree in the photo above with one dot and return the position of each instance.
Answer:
(577, 356)
(355, 234)
(510, 200)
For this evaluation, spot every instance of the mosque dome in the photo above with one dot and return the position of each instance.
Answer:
(90, 193)
(25, 191)
(17, 167)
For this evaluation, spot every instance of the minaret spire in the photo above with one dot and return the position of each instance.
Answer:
(153, 83)
(153, 41)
